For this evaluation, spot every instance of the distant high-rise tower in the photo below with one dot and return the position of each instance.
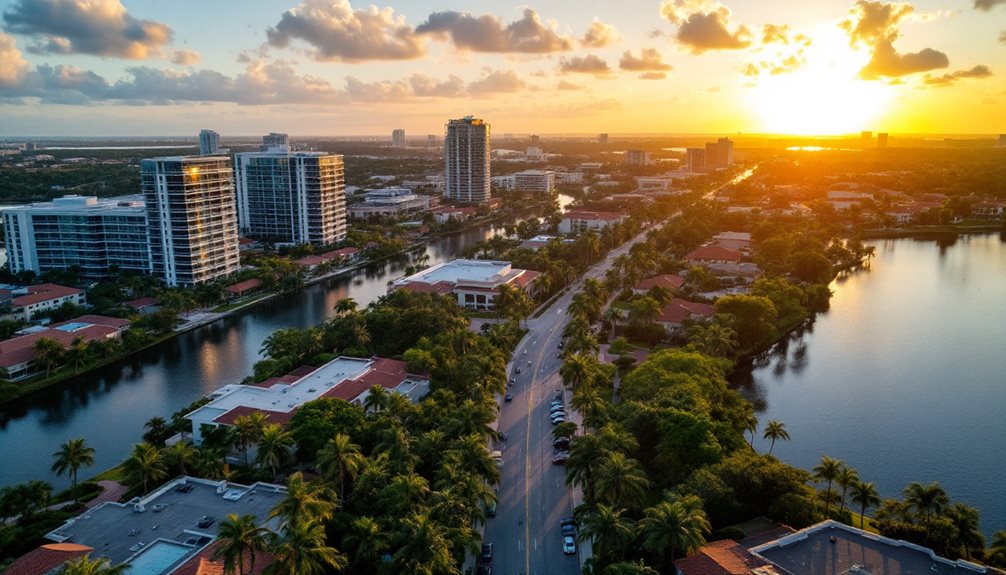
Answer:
(882, 139)
(291, 197)
(602, 138)
(866, 137)
(724, 152)
(466, 159)
(209, 143)
(273, 139)
(637, 157)
(695, 160)
(191, 217)
(535, 139)
(398, 138)
(431, 140)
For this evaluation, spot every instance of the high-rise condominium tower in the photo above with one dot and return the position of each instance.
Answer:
(192, 219)
(466, 159)
(274, 139)
(398, 138)
(291, 197)
(209, 143)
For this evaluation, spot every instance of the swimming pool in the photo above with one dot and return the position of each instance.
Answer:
(74, 326)
(158, 557)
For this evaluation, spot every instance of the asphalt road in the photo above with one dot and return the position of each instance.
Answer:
(533, 496)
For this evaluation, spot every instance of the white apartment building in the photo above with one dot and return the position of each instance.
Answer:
(535, 181)
(389, 202)
(575, 221)
(466, 161)
(398, 138)
(191, 217)
(475, 283)
(291, 197)
(91, 233)
(209, 143)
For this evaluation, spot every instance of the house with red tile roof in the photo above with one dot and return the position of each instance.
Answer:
(712, 254)
(143, 305)
(47, 559)
(243, 288)
(278, 399)
(17, 355)
(678, 310)
(206, 563)
(44, 297)
(669, 282)
(725, 557)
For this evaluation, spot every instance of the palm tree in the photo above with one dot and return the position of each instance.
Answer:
(827, 470)
(156, 431)
(376, 400)
(775, 430)
(679, 525)
(621, 481)
(248, 430)
(565, 429)
(338, 459)
(303, 550)
(367, 539)
(425, 547)
(846, 478)
(585, 455)
(997, 552)
(865, 495)
(48, 353)
(71, 456)
(927, 500)
(575, 370)
(180, 456)
(144, 466)
(87, 566)
(607, 530)
(750, 423)
(593, 407)
(968, 533)
(238, 537)
(275, 448)
(303, 501)
(345, 306)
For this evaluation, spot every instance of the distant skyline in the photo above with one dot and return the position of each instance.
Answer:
(335, 68)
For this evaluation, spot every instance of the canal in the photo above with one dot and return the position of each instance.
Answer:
(905, 377)
(109, 406)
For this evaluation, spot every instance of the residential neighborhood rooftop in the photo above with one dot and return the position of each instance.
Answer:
(43, 292)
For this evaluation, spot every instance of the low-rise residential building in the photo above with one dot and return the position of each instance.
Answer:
(674, 314)
(47, 559)
(988, 209)
(712, 254)
(44, 297)
(669, 282)
(17, 355)
(575, 221)
(444, 213)
(725, 557)
(475, 283)
(279, 398)
(389, 202)
(243, 288)
(845, 199)
(341, 255)
(538, 242)
(535, 181)
(737, 241)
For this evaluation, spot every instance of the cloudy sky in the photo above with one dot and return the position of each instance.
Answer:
(332, 67)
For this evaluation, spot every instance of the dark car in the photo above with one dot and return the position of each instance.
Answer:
(561, 345)
(487, 553)
(568, 526)
(560, 458)
(561, 443)
(205, 522)
(485, 569)
(508, 397)
(491, 510)
(517, 371)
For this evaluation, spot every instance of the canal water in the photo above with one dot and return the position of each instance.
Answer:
(904, 378)
(109, 406)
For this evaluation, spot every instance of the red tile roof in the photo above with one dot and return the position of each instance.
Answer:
(22, 349)
(724, 557)
(203, 563)
(388, 373)
(452, 210)
(142, 302)
(278, 417)
(44, 292)
(242, 287)
(714, 253)
(107, 321)
(525, 278)
(46, 558)
(678, 310)
(668, 281)
(590, 215)
(346, 252)
(309, 261)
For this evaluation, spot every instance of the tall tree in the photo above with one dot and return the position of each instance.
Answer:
(180, 456)
(847, 477)
(345, 306)
(87, 566)
(866, 496)
(621, 481)
(673, 527)
(927, 500)
(339, 459)
(239, 537)
(608, 531)
(71, 456)
(144, 466)
(303, 549)
(827, 471)
(303, 501)
(775, 430)
(997, 552)
(275, 448)
(48, 353)
(968, 533)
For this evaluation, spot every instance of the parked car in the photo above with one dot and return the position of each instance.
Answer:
(517, 371)
(561, 443)
(556, 408)
(508, 397)
(485, 569)
(557, 414)
(487, 553)
(561, 345)
(569, 545)
(497, 456)
(512, 381)
(560, 458)
(558, 420)
(568, 526)
(491, 510)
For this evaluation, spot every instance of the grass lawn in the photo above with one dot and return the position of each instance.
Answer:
(113, 474)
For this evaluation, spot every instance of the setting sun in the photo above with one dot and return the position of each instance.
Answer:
(824, 96)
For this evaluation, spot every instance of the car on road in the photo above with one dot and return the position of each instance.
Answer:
(568, 526)
(512, 381)
(561, 345)
(508, 397)
(487, 553)
(558, 356)
(556, 409)
(485, 569)
(529, 363)
(491, 510)
(555, 414)
(561, 443)
(558, 420)
(569, 545)
(517, 371)
(560, 458)
(497, 456)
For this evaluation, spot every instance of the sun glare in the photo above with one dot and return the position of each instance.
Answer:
(825, 95)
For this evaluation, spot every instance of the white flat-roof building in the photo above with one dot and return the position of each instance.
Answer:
(569, 177)
(475, 283)
(575, 221)
(278, 398)
(92, 233)
(507, 183)
(291, 197)
(389, 202)
(535, 181)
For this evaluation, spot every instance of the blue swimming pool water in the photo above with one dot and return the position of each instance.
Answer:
(73, 326)
(157, 558)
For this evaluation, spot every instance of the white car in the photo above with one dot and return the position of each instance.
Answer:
(556, 408)
(559, 419)
(568, 545)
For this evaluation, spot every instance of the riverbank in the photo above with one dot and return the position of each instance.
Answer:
(924, 231)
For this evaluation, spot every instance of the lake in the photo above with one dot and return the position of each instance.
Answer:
(905, 377)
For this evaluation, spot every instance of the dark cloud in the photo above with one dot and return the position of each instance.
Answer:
(652, 76)
(599, 35)
(98, 27)
(888, 63)
(185, 57)
(497, 82)
(705, 25)
(337, 32)
(487, 33)
(1002, 37)
(649, 60)
(978, 71)
(589, 64)
(988, 4)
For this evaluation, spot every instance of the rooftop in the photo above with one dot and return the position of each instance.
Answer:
(174, 516)
(90, 204)
(714, 253)
(678, 310)
(21, 349)
(46, 558)
(832, 548)
(591, 215)
(668, 281)
(44, 292)
(724, 557)
(480, 273)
